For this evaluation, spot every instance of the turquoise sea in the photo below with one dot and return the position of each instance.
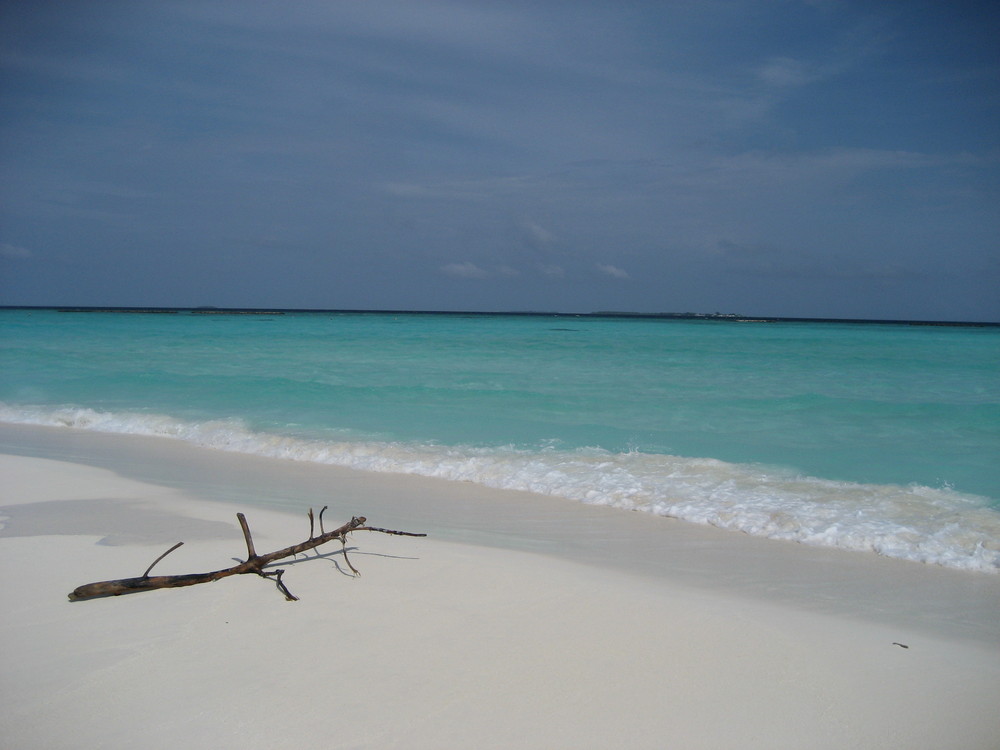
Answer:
(871, 437)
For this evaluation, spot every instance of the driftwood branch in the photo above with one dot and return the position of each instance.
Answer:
(253, 564)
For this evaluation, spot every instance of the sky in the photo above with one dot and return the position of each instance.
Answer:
(778, 157)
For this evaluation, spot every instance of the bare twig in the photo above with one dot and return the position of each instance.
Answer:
(276, 574)
(254, 563)
(343, 544)
(251, 554)
(387, 531)
(146, 574)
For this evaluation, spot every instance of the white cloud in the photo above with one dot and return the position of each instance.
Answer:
(614, 271)
(465, 270)
(556, 272)
(537, 232)
(783, 72)
(469, 270)
(12, 251)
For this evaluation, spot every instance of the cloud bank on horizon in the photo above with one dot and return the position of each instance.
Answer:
(800, 158)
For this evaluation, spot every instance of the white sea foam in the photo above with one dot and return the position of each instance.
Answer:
(917, 523)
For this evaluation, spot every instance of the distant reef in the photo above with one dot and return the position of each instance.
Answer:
(216, 311)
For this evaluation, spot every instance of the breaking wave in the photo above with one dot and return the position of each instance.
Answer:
(918, 523)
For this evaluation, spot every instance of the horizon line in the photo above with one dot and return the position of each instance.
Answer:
(713, 316)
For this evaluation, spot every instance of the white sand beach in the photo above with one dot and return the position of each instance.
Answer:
(520, 621)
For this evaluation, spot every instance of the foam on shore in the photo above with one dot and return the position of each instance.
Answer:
(922, 524)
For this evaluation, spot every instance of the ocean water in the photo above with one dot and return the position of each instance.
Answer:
(877, 438)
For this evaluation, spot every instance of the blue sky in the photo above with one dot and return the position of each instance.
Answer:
(779, 157)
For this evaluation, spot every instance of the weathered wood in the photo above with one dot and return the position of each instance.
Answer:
(146, 574)
(253, 564)
(246, 535)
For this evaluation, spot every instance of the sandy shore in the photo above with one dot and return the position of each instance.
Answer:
(520, 622)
